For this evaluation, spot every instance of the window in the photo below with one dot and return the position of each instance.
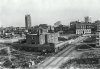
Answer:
(97, 43)
(33, 38)
(97, 36)
(33, 43)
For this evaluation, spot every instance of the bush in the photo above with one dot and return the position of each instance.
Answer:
(7, 63)
(3, 52)
(61, 39)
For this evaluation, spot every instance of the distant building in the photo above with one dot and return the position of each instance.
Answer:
(73, 23)
(43, 26)
(2, 31)
(34, 30)
(83, 28)
(61, 28)
(42, 38)
(43, 30)
(35, 39)
(52, 38)
(98, 34)
(19, 30)
(73, 27)
(94, 27)
(32, 39)
(51, 28)
(87, 19)
(57, 24)
(27, 21)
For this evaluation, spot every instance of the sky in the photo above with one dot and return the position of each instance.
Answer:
(12, 12)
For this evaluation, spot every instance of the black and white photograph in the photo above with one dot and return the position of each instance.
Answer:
(49, 34)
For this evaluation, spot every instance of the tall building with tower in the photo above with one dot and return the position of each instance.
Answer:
(27, 21)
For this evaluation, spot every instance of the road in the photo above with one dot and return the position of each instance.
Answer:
(55, 61)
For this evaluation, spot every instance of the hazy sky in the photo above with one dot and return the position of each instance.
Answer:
(12, 12)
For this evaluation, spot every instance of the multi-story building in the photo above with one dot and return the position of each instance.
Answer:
(42, 34)
(52, 38)
(94, 26)
(50, 28)
(32, 39)
(98, 34)
(43, 30)
(35, 39)
(61, 28)
(42, 38)
(27, 21)
(73, 26)
(83, 28)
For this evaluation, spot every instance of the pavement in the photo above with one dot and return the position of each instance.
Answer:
(55, 61)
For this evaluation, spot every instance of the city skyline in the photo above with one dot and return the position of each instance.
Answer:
(47, 11)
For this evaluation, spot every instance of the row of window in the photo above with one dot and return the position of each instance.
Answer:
(84, 26)
(83, 30)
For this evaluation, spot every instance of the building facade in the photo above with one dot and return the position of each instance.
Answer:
(73, 26)
(27, 21)
(83, 28)
(98, 35)
(32, 39)
(42, 38)
(52, 38)
(43, 30)
(61, 28)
